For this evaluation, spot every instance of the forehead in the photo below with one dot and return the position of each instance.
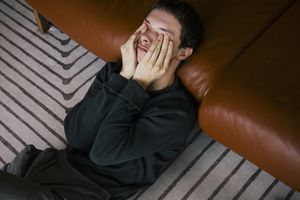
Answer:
(160, 19)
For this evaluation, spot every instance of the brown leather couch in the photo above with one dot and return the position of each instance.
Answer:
(246, 75)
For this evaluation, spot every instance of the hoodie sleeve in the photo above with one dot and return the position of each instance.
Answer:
(85, 119)
(131, 131)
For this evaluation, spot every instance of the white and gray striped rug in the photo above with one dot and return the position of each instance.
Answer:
(42, 75)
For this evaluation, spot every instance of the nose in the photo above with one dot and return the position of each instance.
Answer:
(148, 36)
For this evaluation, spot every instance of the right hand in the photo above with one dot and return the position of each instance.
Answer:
(155, 63)
(129, 57)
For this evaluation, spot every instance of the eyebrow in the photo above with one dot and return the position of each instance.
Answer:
(162, 29)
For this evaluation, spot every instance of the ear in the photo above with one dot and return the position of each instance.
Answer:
(184, 53)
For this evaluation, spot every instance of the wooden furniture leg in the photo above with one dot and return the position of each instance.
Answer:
(41, 22)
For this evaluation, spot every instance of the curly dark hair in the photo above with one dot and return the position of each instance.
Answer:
(189, 19)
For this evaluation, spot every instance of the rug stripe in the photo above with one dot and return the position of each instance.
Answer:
(203, 177)
(63, 53)
(268, 190)
(289, 195)
(6, 153)
(192, 150)
(246, 185)
(15, 137)
(225, 181)
(35, 100)
(54, 83)
(217, 176)
(8, 145)
(258, 187)
(186, 170)
(80, 65)
(60, 138)
(52, 71)
(65, 64)
(22, 93)
(52, 96)
(56, 70)
(295, 195)
(24, 4)
(168, 168)
(21, 10)
(2, 162)
(32, 130)
(279, 191)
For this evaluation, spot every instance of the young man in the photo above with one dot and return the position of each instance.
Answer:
(132, 122)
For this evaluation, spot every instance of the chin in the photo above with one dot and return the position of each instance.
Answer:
(140, 57)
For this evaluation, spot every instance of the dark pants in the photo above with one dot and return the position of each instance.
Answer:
(13, 187)
(46, 175)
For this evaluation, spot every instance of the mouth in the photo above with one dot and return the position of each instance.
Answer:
(141, 48)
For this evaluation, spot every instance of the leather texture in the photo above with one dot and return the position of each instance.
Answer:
(245, 75)
(253, 108)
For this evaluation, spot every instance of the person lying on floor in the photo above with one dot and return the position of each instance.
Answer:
(132, 122)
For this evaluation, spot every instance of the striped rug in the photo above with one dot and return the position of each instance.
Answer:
(43, 75)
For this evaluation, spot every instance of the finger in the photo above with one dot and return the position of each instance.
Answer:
(138, 32)
(163, 51)
(156, 51)
(133, 37)
(168, 55)
(151, 49)
(132, 41)
(143, 25)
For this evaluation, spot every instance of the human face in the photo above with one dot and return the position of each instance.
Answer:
(156, 23)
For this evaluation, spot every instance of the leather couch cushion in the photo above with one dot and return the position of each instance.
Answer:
(230, 27)
(254, 107)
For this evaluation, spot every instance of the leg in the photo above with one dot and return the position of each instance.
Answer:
(47, 175)
(22, 161)
(41, 22)
(14, 187)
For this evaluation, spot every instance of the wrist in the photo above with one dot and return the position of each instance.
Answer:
(125, 75)
(141, 82)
